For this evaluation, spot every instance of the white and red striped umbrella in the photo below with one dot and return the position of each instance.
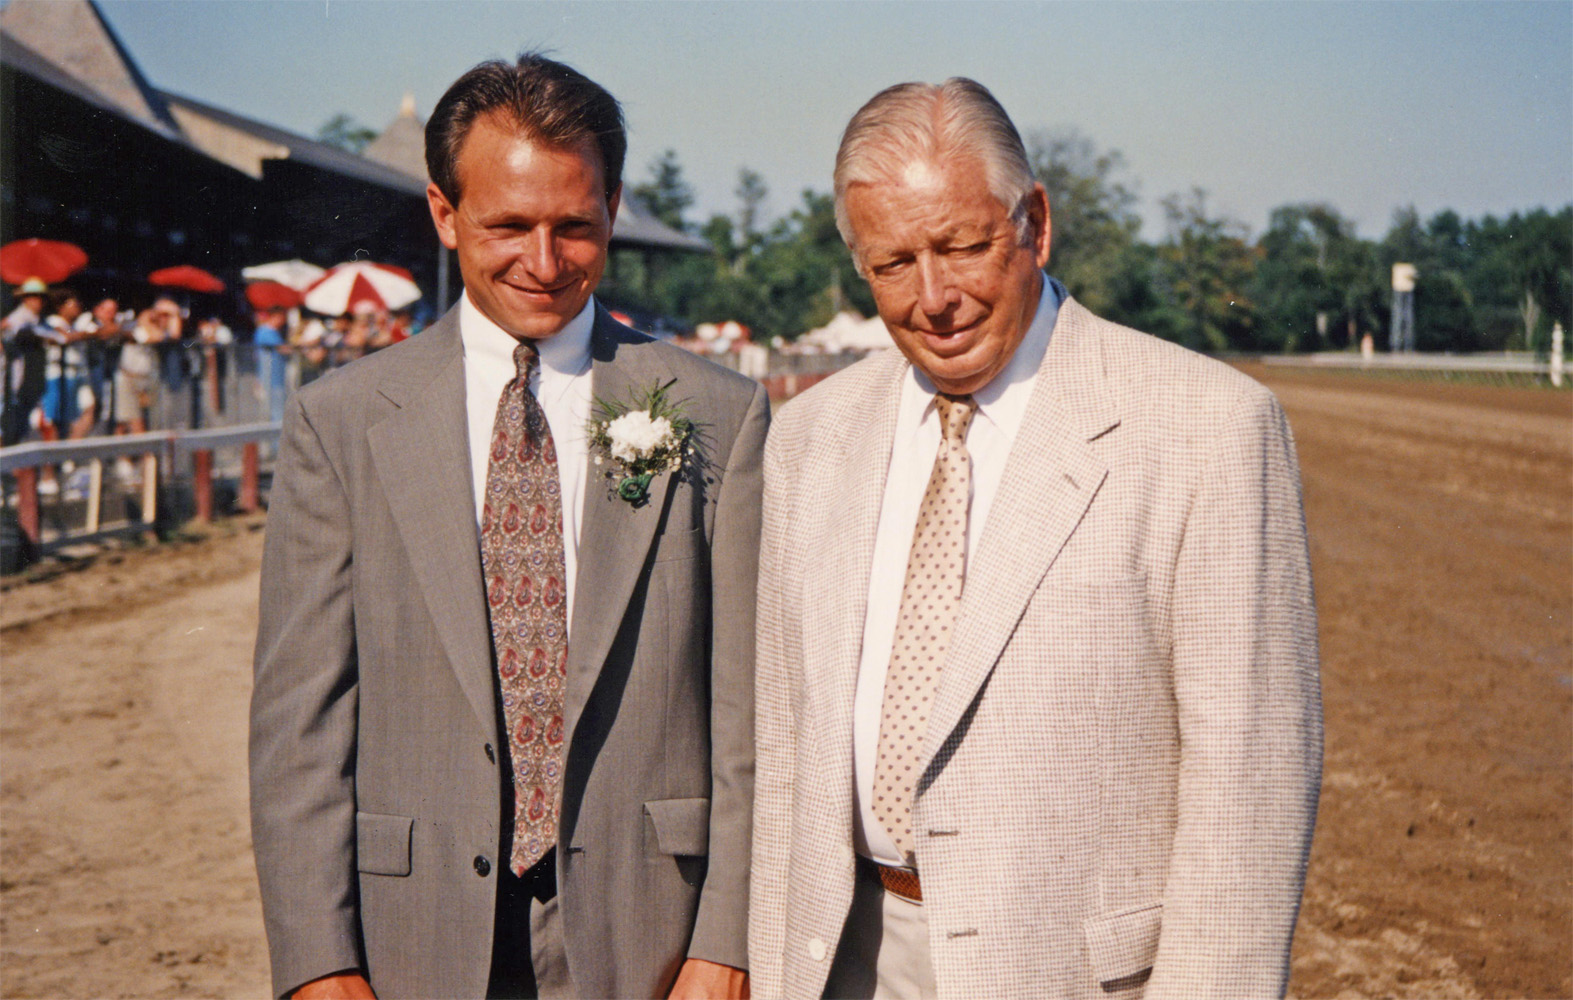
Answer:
(347, 285)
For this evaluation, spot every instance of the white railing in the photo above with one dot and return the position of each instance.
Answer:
(1514, 363)
(28, 464)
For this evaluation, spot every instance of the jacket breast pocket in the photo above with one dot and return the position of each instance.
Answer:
(1122, 946)
(382, 843)
(679, 544)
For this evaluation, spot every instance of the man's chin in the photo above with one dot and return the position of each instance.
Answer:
(536, 325)
(954, 376)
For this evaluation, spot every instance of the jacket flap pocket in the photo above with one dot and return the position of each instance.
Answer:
(382, 843)
(682, 826)
(1123, 944)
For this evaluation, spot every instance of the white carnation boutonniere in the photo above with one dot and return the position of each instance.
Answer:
(639, 440)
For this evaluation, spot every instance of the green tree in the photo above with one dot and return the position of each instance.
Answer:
(1317, 283)
(345, 132)
(1522, 280)
(1209, 267)
(751, 193)
(667, 194)
(1093, 223)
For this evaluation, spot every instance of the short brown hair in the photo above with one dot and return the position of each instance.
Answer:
(548, 100)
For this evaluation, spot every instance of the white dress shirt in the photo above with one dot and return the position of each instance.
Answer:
(1002, 404)
(561, 384)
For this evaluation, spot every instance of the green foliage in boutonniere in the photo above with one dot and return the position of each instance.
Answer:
(639, 439)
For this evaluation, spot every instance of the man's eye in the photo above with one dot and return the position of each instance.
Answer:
(890, 268)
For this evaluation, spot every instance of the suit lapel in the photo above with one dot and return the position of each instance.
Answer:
(422, 456)
(1050, 480)
(836, 603)
(615, 536)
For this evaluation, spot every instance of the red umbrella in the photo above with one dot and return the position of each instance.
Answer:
(192, 279)
(47, 260)
(272, 295)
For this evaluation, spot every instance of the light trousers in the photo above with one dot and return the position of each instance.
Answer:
(884, 949)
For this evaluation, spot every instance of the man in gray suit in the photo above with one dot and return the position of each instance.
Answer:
(1039, 712)
(501, 731)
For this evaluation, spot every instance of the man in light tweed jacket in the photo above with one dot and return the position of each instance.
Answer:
(1038, 705)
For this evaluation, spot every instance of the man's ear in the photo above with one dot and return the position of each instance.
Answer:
(1039, 228)
(442, 212)
(613, 200)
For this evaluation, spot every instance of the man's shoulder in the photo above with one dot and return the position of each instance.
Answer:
(848, 388)
(345, 390)
(688, 365)
(838, 410)
(1152, 375)
(701, 381)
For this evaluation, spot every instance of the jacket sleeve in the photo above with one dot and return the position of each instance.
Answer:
(775, 734)
(720, 927)
(303, 717)
(1248, 697)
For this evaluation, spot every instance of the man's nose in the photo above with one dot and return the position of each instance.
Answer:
(936, 291)
(540, 256)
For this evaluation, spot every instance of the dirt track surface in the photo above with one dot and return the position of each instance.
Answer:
(1442, 541)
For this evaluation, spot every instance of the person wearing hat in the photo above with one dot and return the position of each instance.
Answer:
(23, 336)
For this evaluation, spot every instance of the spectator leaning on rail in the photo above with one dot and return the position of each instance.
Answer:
(101, 331)
(136, 378)
(272, 359)
(68, 398)
(24, 336)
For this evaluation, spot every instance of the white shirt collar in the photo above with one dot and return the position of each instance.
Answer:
(1003, 401)
(566, 352)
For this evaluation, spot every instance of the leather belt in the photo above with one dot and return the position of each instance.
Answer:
(902, 882)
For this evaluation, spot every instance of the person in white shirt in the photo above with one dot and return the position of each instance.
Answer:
(24, 336)
(502, 721)
(69, 401)
(1038, 703)
(136, 381)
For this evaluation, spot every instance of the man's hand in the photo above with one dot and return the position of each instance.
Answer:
(347, 985)
(701, 980)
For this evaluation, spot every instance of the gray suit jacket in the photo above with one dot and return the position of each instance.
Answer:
(1124, 751)
(375, 793)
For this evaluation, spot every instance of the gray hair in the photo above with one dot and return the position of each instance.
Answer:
(923, 122)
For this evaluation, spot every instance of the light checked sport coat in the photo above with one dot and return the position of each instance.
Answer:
(376, 781)
(1122, 763)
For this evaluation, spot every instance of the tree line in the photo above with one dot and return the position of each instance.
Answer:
(1309, 282)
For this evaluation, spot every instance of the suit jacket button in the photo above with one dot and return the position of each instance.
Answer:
(483, 867)
(491, 755)
(816, 949)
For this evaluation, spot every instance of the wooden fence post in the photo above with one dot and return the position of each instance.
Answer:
(249, 464)
(27, 502)
(202, 483)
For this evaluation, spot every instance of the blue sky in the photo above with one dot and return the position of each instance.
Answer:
(1368, 106)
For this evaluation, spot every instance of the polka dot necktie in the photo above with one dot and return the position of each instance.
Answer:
(527, 599)
(930, 597)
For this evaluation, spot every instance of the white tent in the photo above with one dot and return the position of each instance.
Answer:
(849, 332)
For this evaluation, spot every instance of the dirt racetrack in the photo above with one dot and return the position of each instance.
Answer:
(1441, 524)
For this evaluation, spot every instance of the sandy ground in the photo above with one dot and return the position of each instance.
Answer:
(1442, 536)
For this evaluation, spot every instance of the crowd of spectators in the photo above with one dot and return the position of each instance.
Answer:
(71, 371)
(295, 348)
